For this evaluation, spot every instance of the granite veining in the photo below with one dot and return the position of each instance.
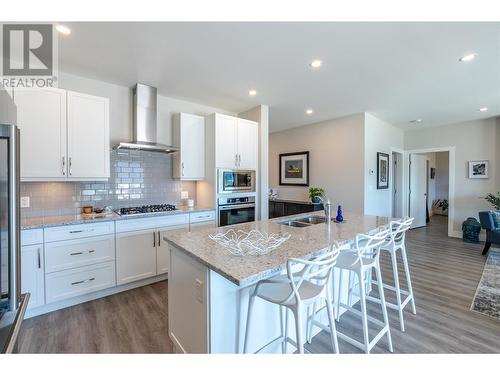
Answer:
(303, 243)
(487, 298)
(54, 221)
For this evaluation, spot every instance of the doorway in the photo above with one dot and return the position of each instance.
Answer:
(429, 186)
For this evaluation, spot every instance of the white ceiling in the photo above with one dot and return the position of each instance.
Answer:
(396, 71)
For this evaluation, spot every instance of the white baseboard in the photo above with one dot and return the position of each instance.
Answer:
(91, 296)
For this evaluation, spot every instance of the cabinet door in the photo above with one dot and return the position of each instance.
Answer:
(32, 274)
(88, 136)
(41, 118)
(248, 143)
(225, 141)
(135, 256)
(162, 249)
(192, 144)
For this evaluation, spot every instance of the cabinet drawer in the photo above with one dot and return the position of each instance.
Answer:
(198, 217)
(75, 282)
(70, 232)
(128, 225)
(62, 255)
(31, 237)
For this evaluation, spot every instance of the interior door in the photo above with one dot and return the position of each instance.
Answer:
(88, 136)
(41, 118)
(418, 189)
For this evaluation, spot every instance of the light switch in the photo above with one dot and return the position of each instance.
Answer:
(25, 202)
(199, 290)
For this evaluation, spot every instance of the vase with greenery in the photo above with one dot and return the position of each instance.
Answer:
(314, 193)
(494, 200)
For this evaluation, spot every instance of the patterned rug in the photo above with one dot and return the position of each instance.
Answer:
(487, 298)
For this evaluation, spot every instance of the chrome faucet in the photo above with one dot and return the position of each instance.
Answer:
(327, 207)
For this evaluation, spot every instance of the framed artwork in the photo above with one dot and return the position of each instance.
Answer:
(382, 170)
(433, 173)
(294, 168)
(479, 169)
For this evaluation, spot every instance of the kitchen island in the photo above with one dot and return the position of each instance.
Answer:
(208, 287)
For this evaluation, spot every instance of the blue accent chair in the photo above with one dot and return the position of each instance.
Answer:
(492, 229)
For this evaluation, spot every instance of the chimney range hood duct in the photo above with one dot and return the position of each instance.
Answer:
(145, 98)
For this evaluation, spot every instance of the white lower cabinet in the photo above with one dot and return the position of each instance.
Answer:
(32, 274)
(64, 255)
(162, 248)
(135, 255)
(78, 281)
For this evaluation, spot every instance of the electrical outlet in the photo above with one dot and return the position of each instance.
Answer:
(25, 202)
(199, 290)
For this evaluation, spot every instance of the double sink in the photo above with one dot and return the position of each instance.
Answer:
(304, 221)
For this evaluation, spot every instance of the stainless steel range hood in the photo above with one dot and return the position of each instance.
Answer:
(145, 118)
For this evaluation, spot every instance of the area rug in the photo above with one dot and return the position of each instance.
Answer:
(487, 298)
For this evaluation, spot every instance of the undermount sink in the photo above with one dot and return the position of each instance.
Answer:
(312, 219)
(292, 223)
(304, 221)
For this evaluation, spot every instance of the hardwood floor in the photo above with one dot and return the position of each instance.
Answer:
(445, 273)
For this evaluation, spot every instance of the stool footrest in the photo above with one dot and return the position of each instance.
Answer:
(358, 313)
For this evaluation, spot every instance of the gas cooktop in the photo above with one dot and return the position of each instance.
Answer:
(150, 209)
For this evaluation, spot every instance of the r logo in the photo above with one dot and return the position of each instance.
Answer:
(27, 50)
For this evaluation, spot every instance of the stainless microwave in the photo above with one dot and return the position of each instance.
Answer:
(235, 181)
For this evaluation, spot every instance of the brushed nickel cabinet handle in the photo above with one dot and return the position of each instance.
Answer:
(83, 281)
(81, 252)
(39, 259)
(69, 164)
(182, 167)
(63, 166)
(159, 242)
(154, 239)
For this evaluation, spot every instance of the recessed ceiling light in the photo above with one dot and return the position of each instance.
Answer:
(63, 29)
(483, 109)
(416, 121)
(309, 111)
(316, 63)
(252, 92)
(469, 57)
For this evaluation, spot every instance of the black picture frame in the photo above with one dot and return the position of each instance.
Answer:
(382, 170)
(283, 180)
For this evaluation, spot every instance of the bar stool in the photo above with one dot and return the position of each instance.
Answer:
(394, 242)
(295, 291)
(361, 259)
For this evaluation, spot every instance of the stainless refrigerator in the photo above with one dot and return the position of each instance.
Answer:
(12, 303)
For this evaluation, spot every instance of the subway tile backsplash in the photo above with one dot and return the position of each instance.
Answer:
(137, 178)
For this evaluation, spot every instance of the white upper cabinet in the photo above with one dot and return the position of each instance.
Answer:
(248, 144)
(41, 118)
(64, 134)
(225, 141)
(88, 136)
(236, 143)
(189, 136)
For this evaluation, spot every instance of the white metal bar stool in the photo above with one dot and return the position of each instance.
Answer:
(295, 291)
(361, 259)
(396, 242)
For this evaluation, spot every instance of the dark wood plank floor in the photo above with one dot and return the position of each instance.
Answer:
(445, 274)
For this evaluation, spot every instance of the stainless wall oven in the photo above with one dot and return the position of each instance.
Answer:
(236, 210)
(235, 181)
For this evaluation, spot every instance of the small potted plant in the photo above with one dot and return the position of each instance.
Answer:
(494, 200)
(314, 193)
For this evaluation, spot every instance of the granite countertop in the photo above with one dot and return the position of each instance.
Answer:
(54, 221)
(304, 243)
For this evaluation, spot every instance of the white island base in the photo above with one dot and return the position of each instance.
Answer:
(207, 313)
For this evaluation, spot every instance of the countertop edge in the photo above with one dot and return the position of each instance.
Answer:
(115, 217)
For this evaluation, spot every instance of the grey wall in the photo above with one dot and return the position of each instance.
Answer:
(442, 175)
